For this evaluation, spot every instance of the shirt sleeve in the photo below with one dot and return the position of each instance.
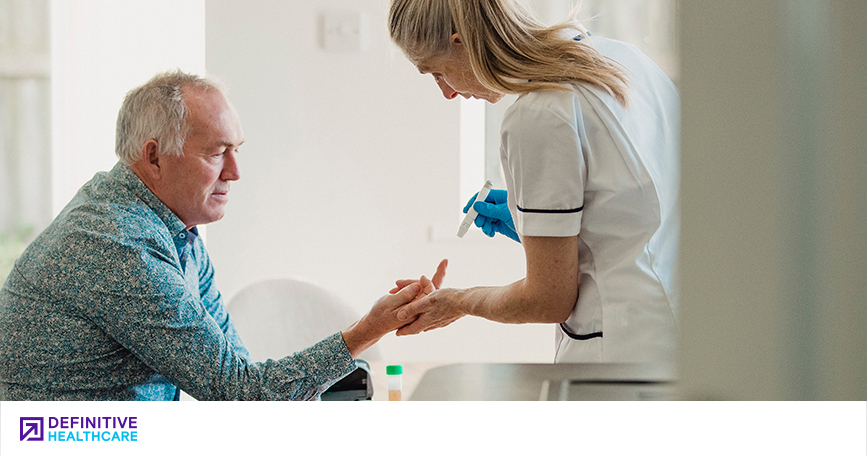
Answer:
(139, 297)
(545, 167)
(213, 300)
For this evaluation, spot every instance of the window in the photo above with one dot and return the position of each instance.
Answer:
(25, 146)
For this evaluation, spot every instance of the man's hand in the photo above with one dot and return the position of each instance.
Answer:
(435, 310)
(379, 321)
(428, 286)
(382, 317)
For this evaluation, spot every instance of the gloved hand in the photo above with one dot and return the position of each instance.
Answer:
(494, 216)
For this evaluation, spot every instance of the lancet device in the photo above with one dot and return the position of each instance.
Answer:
(471, 213)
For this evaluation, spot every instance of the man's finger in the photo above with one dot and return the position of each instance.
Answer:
(416, 327)
(440, 275)
(407, 294)
(426, 285)
(412, 309)
(401, 284)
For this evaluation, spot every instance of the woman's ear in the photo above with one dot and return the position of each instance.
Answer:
(456, 39)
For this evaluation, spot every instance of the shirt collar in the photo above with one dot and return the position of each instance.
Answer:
(130, 179)
(192, 234)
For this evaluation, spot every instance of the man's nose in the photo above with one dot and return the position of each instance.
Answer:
(231, 170)
(447, 90)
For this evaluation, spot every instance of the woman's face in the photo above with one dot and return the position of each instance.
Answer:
(454, 75)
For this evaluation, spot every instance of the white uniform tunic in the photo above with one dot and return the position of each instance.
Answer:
(578, 163)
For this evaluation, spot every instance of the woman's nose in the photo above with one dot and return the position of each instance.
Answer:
(447, 90)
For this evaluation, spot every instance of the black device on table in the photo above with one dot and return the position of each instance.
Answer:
(357, 386)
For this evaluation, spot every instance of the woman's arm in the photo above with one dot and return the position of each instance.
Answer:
(547, 295)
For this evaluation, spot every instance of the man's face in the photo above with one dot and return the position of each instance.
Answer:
(196, 186)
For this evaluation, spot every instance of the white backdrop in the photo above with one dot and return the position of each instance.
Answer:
(350, 175)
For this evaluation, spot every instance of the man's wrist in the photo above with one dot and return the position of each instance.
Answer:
(358, 338)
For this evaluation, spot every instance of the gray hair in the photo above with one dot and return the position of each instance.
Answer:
(157, 110)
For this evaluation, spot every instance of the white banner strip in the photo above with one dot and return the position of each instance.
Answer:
(97, 428)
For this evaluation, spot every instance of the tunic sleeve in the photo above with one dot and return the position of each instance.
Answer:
(545, 169)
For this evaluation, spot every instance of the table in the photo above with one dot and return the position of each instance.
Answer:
(412, 374)
(532, 382)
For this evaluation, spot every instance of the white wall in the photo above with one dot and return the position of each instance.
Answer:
(100, 49)
(774, 250)
(351, 167)
(352, 158)
(350, 163)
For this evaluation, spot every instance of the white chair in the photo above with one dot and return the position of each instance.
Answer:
(278, 317)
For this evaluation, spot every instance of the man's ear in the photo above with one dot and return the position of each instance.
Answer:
(150, 159)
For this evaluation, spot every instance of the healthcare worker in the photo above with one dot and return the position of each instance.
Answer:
(590, 155)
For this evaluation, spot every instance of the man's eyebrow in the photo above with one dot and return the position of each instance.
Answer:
(231, 144)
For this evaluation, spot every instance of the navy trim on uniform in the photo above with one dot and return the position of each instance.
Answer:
(551, 211)
(580, 336)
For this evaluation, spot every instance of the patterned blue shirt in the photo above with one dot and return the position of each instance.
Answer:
(116, 300)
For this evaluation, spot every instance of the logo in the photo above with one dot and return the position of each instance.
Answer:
(79, 429)
(32, 428)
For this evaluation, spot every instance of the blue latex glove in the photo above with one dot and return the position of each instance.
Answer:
(494, 216)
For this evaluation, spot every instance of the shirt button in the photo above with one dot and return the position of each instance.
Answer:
(182, 235)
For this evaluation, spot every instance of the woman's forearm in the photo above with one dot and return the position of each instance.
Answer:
(547, 295)
(517, 302)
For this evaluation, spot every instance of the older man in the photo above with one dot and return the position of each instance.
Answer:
(116, 298)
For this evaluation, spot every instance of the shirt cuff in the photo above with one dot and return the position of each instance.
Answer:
(327, 361)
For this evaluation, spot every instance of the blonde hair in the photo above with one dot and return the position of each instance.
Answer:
(510, 51)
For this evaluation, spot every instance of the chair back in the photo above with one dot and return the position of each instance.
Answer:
(278, 317)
